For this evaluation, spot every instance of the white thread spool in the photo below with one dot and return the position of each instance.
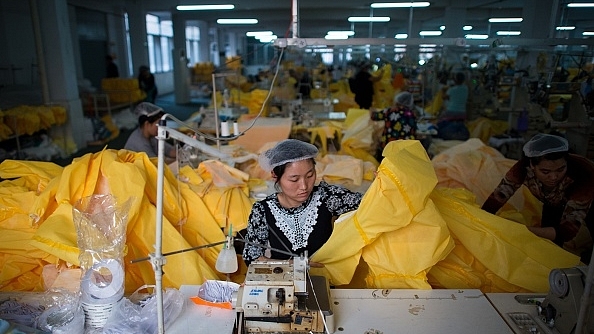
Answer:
(103, 292)
(235, 129)
(224, 129)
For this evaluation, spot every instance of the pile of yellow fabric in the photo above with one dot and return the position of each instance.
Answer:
(37, 227)
(30, 119)
(418, 225)
(409, 233)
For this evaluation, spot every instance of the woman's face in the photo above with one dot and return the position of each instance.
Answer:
(550, 172)
(297, 181)
(151, 129)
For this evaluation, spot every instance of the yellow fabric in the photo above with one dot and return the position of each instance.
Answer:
(485, 242)
(412, 235)
(392, 210)
(357, 136)
(479, 168)
(187, 220)
(484, 128)
(434, 108)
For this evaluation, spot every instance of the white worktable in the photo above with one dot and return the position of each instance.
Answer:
(415, 311)
(374, 311)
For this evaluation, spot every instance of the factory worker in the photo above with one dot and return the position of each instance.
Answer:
(400, 121)
(563, 182)
(299, 216)
(143, 138)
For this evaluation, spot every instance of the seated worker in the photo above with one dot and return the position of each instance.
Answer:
(300, 215)
(400, 121)
(451, 121)
(563, 182)
(143, 138)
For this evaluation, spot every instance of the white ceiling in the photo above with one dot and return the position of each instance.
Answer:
(316, 17)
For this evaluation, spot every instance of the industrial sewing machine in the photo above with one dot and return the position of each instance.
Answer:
(279, 296)
(561, 308)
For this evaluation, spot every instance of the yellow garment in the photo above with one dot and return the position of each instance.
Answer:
(404, 232)
(187, 221)
(494, 254)
(484, 128)
(393, 210)
(479, 168)
(357, 138)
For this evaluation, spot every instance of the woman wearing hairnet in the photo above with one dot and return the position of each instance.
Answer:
(400, 121)
(299, 216)
(563, 182)
(143, 138)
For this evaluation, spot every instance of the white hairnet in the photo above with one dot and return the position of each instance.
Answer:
(405, 99)
(542, 144)
(288, 150)
(147, 109)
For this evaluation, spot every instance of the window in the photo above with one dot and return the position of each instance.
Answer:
(192, 43)
(160, 43)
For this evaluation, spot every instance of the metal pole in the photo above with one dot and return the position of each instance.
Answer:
(295, 16)
(157, 258)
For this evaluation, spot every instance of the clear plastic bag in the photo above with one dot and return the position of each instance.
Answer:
(137, 314)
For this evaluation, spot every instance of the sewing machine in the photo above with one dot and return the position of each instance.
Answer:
(561, 307)
(278, 296)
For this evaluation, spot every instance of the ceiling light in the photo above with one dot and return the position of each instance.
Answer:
(400, 4)
(336, 36)
(565, 28)
(399, 45)
(442, 28)
(341, 32)
(505, 19)
(258, 33)
(430, 33)
(508, 33)
(578, 4)
(466, 28)
(401, 36)
(204, 7)
(588, 33)
(369, 19)
(427, 45)
(476, 36)
(267, 39)
(237, 21)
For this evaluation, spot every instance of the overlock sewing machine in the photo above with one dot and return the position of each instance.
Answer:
(279, 296)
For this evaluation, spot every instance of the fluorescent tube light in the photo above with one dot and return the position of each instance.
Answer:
(578, 4)
(401, 36)
(237, 21)
(430, 33)
(427, 45)
(258, 33)
(267, 39)
(205, 7)
(588, 33)
(442, 28)
(476, 36)
(467, 28)
(565, 28)
(400, 4)
(508, 33)
(505, 19)
(400, 45)
(341, 32)
(369, 19)
(336, 36)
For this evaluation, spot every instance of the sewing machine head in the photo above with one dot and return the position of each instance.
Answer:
(277, 296)
(560, 308)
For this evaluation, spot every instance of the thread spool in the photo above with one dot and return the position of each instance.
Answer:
(235, 129)
(224, 129)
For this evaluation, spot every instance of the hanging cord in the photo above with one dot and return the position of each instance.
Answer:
(201, 134)
(317, 302)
